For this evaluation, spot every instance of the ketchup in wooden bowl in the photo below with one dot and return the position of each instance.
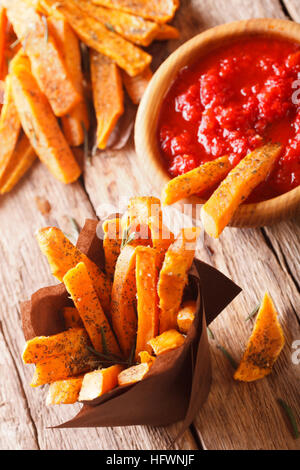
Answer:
(231, 102)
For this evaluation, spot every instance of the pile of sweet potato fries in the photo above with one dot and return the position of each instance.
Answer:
(122, 318)
(45, 111)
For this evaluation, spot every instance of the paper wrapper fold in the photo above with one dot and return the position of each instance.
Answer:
(178, 383)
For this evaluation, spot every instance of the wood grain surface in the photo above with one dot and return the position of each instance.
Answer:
(236, 416)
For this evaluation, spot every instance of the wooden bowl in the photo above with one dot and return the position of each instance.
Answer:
(248, 215)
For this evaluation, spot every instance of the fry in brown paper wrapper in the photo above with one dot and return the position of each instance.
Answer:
(177, 384)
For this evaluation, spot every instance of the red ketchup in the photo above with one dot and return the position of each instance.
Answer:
(231, 102)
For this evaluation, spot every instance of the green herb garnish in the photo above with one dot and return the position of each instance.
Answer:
(254, 312)
(228, 356)
(210, 333)
(127, 237)
(110, 27)
(291, 417)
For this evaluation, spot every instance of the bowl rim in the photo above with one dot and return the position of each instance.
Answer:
(270, 210)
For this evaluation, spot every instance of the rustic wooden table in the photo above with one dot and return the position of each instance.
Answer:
(236, 416)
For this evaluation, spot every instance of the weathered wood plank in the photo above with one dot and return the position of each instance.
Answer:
(24, 270)
(292, 7)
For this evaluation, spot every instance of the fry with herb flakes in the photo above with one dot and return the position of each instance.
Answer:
(160, 11)
(147, 298)
(111, 244)
(62, 256)
(63, 367)
(166, 342)
(264, 346)
(48, 66)
(80, 287)
(133, 28)
(97, 383)
(134, 374)
(64, 392)
(72, 318)
(43, 348)
(98, 37)
(21, 160)
(236, 187)
(108, 95)
(173, 277)
(41, 126)
(195, 181)
(186, 316)
(166, 32)
(123, 297)
(77, 119)
(136, 86)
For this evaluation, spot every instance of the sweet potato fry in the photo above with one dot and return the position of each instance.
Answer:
(21, 160)
(62, 255)
(41, 126)
(166, 342)
(147, 304)
(144, 356)
(166, 32)
(72, 318)
(134, 374)
(264, 346)
(64, 392)
(97, 383)
(236, 187)
(160, 11)
(122, 300)
(174, 276)
(186, 316)
(48, 66)
(10, 128)
(111, 245)
(76, 121)
(79, 285)
(108, 95)
(3, 25)
(136, 86)
(131, 27)
(42, 348)
(195, 181)
(63, 367)
(97, 36)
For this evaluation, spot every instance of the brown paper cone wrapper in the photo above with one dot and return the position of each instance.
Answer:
(178, 383)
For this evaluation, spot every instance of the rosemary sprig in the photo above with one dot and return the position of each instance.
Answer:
(210, 333)
(254, 312)
(228, 356)
(75, 225)
(108, 358)
(46, 36)
(126, 238)
(15, 43)
(291, 417)
(110, 27)
(86, 143)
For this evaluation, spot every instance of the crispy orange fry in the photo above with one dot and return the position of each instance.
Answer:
(160, 11)
(166, 32)
(144, 356)
(64, 392)
(264, 346)
(63, 367)
(147, 304)
(236, 187)
(3, 25)
(97, 383)
(131, 27)
(41, 126)
(166, 342)
(186, 316)
(195, 181)
(112, 244)
(174, 276)
(134, 374)
(21, 160)
(136, 86)
(108, 95)
(62, 255)
(10, 128)
(97, 36)
(42, 348)
(79, 285)
(72, 318)
(123, 296)
(77, 120)
(48, 66)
